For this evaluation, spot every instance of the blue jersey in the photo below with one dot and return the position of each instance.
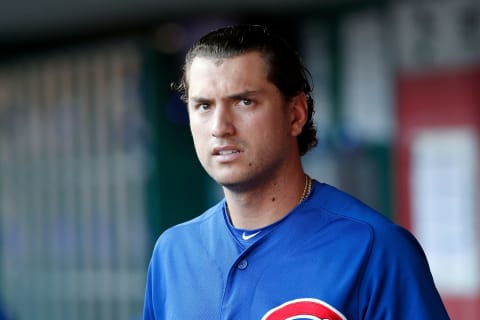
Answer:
(331, 257)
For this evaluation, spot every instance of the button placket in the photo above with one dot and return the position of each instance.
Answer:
(242, 265)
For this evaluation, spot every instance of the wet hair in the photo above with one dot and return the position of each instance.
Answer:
(285, 68)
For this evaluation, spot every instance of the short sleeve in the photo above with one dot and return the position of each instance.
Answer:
(397, 282)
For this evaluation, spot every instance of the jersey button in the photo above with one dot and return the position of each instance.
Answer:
(242, 264)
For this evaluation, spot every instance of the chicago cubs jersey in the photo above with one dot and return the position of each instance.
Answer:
(331, 257)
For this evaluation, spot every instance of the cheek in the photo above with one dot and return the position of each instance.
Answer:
(197, 136)
(200, 136)
(197, 128)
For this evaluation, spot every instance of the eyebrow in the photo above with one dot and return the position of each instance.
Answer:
(198, 100)
(234, 96)
(243, 94)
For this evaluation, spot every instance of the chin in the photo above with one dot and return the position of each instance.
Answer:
(224, 182)
(237, 185)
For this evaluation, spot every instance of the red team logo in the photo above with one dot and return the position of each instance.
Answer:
(304, 309)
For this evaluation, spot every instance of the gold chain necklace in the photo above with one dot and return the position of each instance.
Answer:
(307, 188)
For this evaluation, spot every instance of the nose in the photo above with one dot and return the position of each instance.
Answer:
(222, 124)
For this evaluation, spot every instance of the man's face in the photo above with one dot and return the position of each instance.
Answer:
(240, 122)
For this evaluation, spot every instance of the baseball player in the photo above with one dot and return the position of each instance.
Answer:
(279, 245)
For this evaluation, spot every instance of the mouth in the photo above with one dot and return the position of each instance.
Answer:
(226, 153)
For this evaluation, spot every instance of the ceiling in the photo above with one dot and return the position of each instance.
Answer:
(31, 20)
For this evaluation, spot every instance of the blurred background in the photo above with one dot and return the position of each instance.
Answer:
(96, 158)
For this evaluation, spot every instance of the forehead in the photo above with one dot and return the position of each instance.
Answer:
(254, 60)
(227, 78)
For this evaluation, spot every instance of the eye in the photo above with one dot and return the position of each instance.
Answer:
(202, 106)
(246, 102)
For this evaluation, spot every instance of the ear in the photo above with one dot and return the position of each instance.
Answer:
(298, 113)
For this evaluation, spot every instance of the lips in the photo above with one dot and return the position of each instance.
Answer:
(225, 150)
(226, 153)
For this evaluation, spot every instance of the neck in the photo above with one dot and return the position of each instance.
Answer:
(267, 203)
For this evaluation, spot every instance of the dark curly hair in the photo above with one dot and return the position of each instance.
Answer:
(285, 68)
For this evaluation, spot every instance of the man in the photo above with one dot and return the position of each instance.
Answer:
(279, 245)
